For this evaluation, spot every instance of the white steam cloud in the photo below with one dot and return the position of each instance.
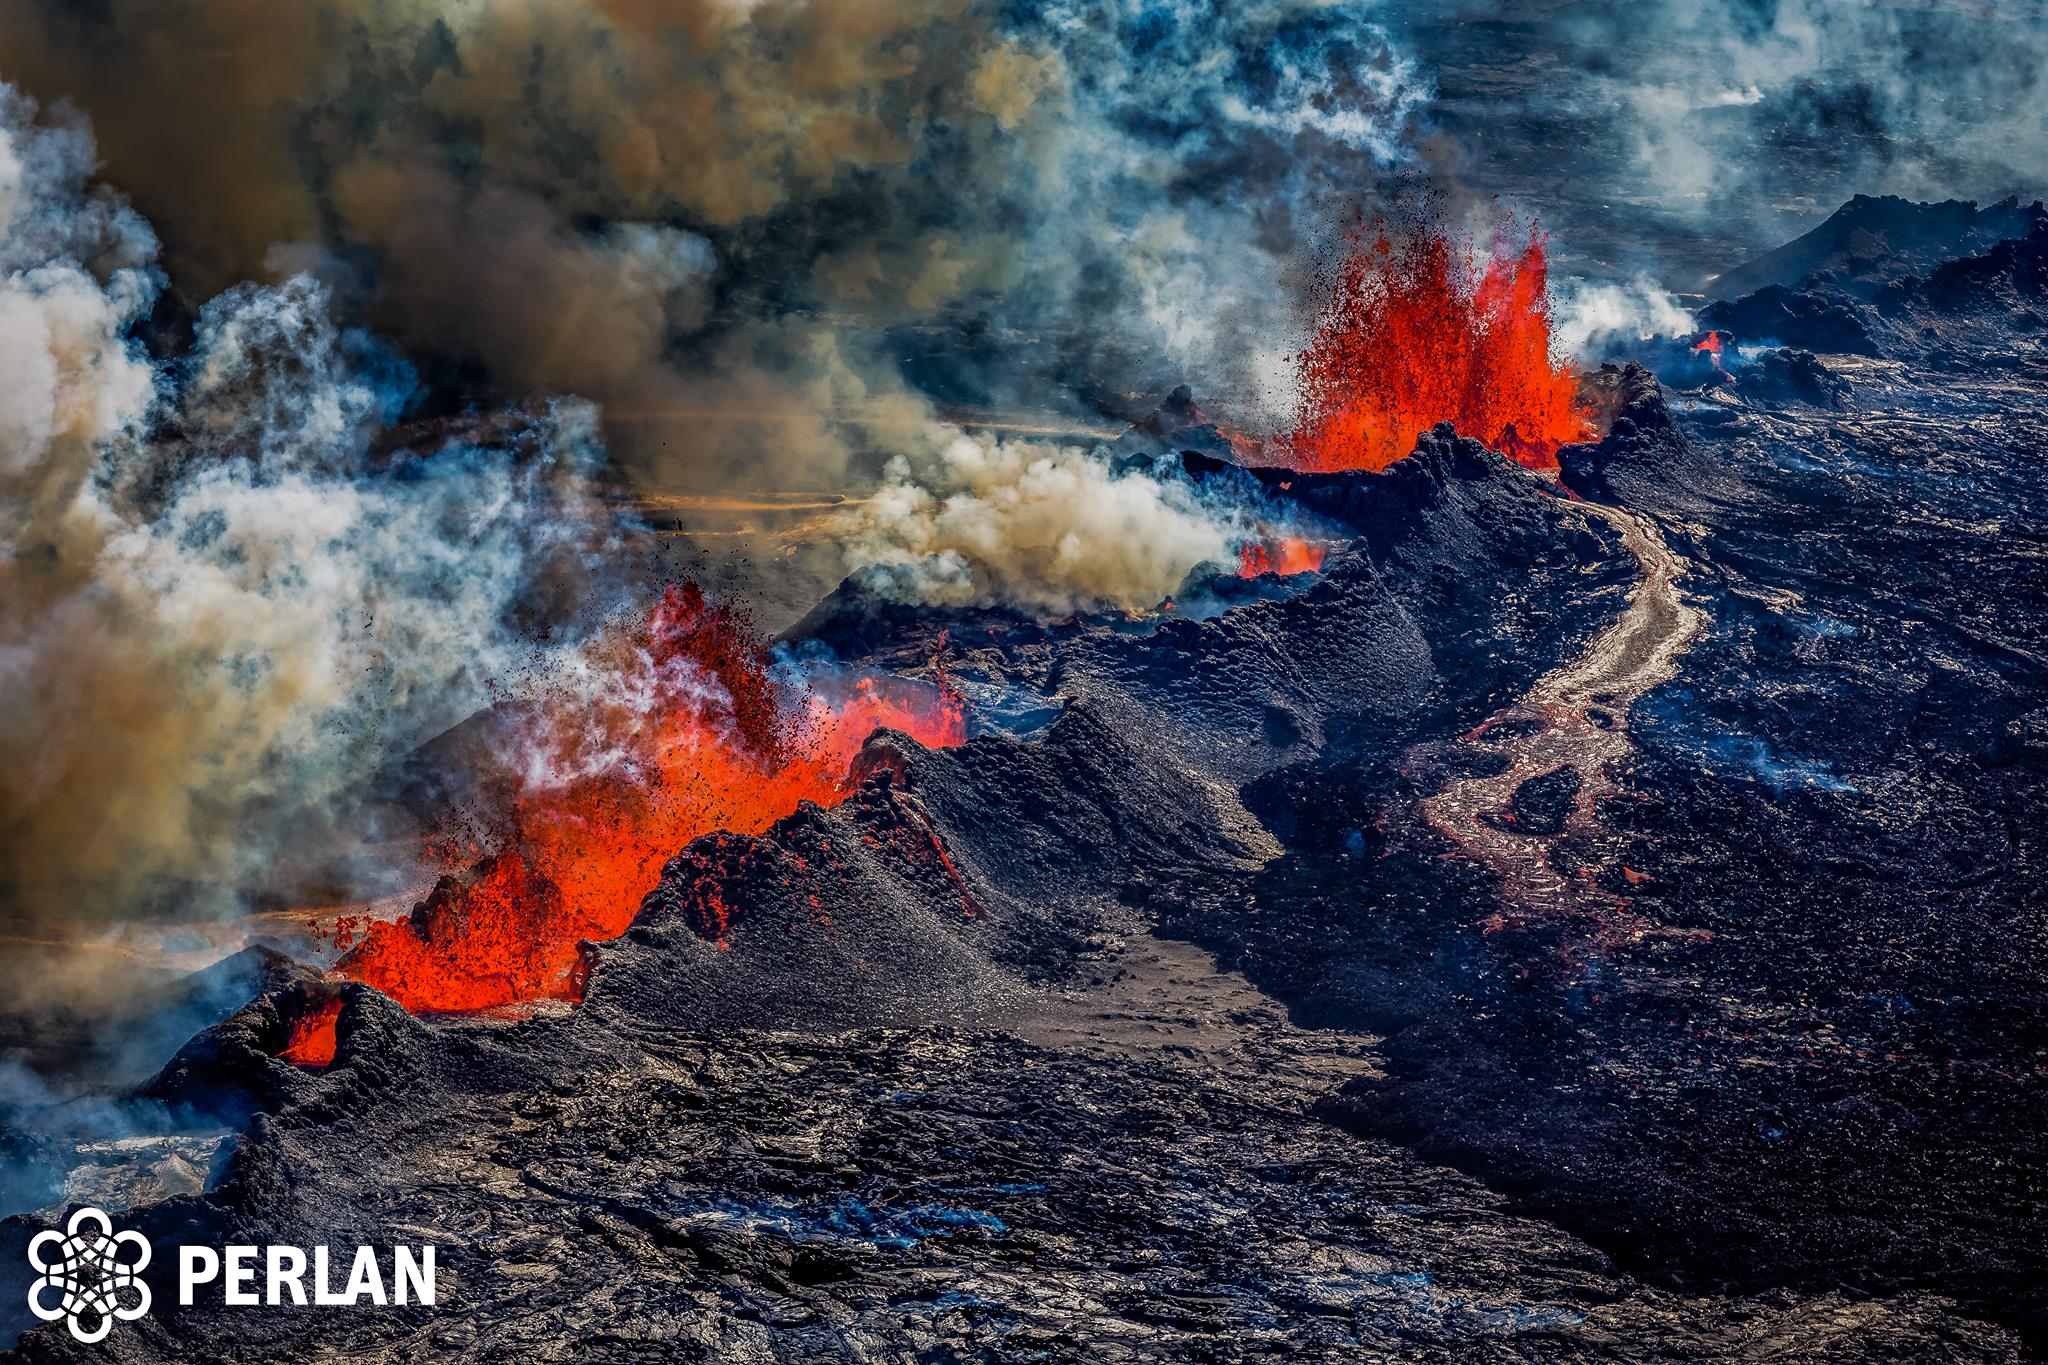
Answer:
(1054, 529)
(1590, 318)
(1921, 99)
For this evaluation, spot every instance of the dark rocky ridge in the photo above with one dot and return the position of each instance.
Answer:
(1987, 306)
(1816, 317)
(1873, 240)
(1832, 1063)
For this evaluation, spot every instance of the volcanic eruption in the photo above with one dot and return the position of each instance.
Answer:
(1372, 870)
(1414, 330)
(677, 725)
(311, 1041)
(1284, 557)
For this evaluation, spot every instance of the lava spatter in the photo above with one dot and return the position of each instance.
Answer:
(1285, 558)
(1413, 332)
(678, 727)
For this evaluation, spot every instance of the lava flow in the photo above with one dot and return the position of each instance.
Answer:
(1412, 333)
(680, 726)
(1712, 345)
(1283, 557)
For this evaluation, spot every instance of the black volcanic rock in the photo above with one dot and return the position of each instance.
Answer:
(1817, 318)
(914, 1078)
(860, 620)
(1404, 621)
(1449, 480)
(1873, 240)
(1542, 803)
(1044, 1187)
(2011, 274)
(1781, 376)
(1178, 425)
(1976, 309)
(1824, 860)
(1644, 449)
(1982, 307)
(232, 1070)
(947, 883)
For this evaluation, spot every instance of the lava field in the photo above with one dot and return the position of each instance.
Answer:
(1595, 915)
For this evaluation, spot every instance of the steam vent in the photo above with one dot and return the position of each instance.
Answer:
(793, 682)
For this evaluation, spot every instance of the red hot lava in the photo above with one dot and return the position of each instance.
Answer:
(1413, 333)
(1283, 557)
(312, 1040)
(679, 727)
(1712, 345)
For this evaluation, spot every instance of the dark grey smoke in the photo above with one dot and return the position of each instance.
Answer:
(1678, 136)
(728, 224)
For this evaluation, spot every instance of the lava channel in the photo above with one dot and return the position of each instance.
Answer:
(1573, 717)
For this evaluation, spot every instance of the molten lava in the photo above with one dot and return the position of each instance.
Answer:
(1712, 345)
(1283, 557)
(1412, 332)
(312, 1040)
(682, 726)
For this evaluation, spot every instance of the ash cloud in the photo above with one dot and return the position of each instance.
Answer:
(222, 605)
(1112, 189)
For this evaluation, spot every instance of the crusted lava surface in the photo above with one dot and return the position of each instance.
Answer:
(1590, 918)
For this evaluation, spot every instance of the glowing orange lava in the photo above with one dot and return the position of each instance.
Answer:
(1711, 344)
(1413, 332)
(312, 1040)
(1283, 557)
(681, 727)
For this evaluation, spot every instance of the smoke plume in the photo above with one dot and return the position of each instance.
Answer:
(1055, 529)
(717, 219)
(1592, 318)
(1675, 137)
(234, 589)
(221, 605)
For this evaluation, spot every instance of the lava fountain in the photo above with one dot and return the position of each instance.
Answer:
(676, 727)
(1414, 330)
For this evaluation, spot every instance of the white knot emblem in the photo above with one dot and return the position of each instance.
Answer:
(92, 1277)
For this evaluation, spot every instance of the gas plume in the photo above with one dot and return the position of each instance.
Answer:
(693, 207)
(221, 607)
(1054, 529)
(1594, 319)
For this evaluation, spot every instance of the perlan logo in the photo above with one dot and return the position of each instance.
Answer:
(411, 1279)
(92, 1276)
(94, 1272)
